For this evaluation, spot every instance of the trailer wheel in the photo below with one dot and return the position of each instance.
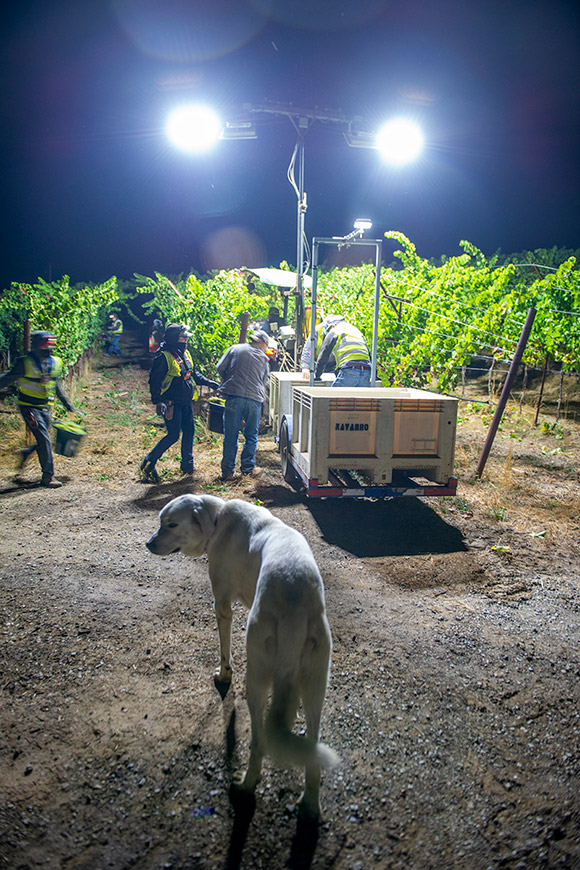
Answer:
(288, 472)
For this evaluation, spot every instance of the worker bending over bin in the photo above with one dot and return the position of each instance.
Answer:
(349, 348)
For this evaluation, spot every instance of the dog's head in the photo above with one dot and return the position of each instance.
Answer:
(186, 524)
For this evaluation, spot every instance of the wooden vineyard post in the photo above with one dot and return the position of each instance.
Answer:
(506, 390)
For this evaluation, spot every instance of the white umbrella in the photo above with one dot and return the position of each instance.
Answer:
(280, 277)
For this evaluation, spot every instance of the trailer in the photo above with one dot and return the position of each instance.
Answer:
(374, 442)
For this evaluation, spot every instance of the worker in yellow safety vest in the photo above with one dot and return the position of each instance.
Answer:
(350, 350)
(172, 384)
(37, 376)
(114, 333)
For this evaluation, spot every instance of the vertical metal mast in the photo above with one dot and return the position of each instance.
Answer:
(301, 211)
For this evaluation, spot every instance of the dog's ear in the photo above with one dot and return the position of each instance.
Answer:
(206, 519)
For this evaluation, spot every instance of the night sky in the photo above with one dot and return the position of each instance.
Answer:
(91, 186)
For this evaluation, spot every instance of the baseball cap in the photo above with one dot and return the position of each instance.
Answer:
(260, 335)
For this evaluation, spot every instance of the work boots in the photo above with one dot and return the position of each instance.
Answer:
(50, 482)
(150, 473)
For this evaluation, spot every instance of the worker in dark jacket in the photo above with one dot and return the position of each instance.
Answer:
(349, 348)
(172, 383)
(37, 376)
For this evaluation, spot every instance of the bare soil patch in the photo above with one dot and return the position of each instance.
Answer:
(454, 695)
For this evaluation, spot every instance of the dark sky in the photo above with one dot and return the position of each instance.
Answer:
(90, 185)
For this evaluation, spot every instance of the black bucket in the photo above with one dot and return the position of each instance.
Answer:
(215, 420)
(68, 438)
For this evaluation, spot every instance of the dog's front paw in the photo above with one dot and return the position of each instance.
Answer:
(243, 801)
(222, 685)
(224, 675)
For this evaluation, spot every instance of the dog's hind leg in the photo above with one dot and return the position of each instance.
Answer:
(257, 685)
(223, 613)
(314, 678)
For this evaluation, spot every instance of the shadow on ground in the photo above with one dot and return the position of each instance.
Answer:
(398, 527)
(156, 496)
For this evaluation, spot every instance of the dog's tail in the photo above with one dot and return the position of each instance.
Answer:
(284, 746)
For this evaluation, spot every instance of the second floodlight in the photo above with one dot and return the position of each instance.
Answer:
(194, 128)
(400, 141)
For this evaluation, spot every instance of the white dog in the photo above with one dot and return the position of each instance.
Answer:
(256, 559)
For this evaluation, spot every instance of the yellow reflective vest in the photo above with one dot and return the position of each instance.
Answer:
(350, 345)
(35, 387)
(175, 370)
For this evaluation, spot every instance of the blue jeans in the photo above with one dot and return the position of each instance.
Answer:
(182, 421)
(346, 377)
(42, 434)
(238, 408)
(114, 344)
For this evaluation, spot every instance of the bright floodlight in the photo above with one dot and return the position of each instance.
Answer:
(400, 141)
(362, 224)
(194, 128)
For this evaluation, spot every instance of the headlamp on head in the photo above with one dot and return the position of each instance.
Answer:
(41, 340)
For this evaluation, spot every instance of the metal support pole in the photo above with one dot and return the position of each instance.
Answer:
(378, 259)
(300, 249)
(513, 370)
(312, 338)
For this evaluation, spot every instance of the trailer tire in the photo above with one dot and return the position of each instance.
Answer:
(288, 472)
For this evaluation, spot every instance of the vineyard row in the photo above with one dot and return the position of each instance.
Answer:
(433, 318)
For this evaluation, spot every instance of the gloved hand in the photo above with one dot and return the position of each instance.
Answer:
(213, 385)
(161, 408)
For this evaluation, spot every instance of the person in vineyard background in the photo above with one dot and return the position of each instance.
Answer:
(114, 333)
(37, 376)
(244, 371)
(172, 384)
(271, 324)
(156, 336)
(350, 350)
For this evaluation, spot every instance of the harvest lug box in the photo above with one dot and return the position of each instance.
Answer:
(374, 431)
